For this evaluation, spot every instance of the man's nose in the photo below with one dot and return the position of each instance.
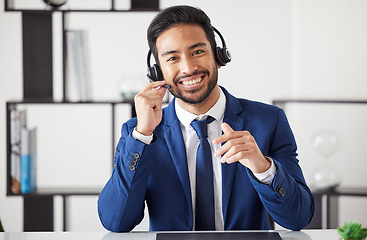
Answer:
(188, 65)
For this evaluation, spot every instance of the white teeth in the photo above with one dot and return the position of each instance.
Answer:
(191, 82)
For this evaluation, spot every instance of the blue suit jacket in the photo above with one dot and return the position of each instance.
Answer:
(158, 174)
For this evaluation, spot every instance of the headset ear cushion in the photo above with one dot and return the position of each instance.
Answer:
(154, 73)
(151, 74)
(222, 56)
(158, 72)
(226, 55)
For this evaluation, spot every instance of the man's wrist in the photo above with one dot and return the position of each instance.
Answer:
(144, 133)
(141, 137)
(267, 176)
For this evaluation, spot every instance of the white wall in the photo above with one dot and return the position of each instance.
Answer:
(328, 60)
(329, 48)
(284, 48)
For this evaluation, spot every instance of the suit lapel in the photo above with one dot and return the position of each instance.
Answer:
(176, 147)
(233, 108)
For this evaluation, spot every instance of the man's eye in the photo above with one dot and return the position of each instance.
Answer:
(171, 59)
(198, 52)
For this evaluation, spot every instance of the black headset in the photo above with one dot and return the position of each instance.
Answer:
(222, 56)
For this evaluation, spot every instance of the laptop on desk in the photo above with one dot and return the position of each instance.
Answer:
(220, 236)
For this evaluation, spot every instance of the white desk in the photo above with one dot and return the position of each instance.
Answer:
(302, 235)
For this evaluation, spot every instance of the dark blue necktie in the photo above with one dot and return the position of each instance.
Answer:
(204, 215)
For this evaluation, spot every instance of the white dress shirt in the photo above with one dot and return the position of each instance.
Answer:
(192, 141)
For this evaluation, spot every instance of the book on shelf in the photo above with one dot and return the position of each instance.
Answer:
(28, 160)
(78, 86)
(17, 121)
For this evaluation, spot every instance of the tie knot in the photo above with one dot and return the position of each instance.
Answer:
(201, 126)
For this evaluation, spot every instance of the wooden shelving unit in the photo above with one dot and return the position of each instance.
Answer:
(38, 89)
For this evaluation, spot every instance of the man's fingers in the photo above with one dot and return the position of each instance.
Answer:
(162, 92)
(158, 85)
(153, 85)
(225, 137)
(226, 146)
(226, 128)
(233, 157)
(151, 93)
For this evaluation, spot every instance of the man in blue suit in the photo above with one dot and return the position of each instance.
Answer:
(254, 169)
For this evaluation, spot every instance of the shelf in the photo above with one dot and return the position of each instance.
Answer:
(343, 191)
(40, 11)
(108, 6)
(37, 39)
(282, 102)
(353, 101)
(344, 117)
(67, 102)
(66, 191)
(111, 114)
(327, 205)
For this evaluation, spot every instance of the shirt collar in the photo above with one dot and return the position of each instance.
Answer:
(217, 111)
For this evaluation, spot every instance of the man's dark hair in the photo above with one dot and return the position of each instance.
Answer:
(174, 16)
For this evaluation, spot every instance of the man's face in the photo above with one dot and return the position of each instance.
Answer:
(187, 62)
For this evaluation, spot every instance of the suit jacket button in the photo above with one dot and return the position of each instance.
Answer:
(281, 191)
(132, 168)
(135, 158)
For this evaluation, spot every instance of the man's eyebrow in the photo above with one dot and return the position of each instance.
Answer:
(197, 45)
(165, 53)
(168, 52)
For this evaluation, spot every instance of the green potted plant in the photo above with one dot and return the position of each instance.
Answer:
(1, 227)
(352, 230)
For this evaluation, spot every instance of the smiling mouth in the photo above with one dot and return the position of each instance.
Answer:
(192, 82)
(191, 79)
